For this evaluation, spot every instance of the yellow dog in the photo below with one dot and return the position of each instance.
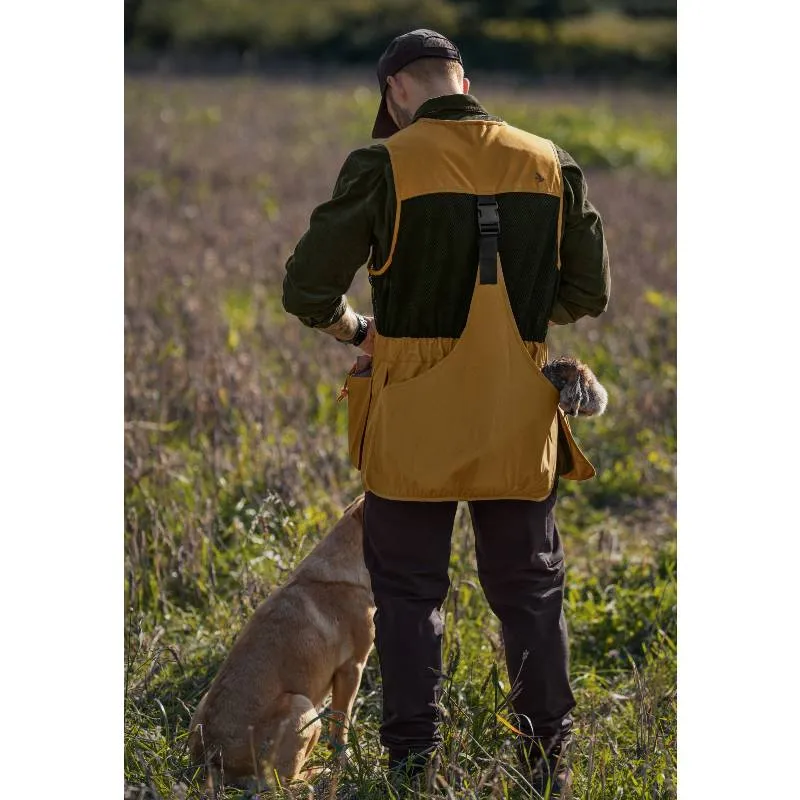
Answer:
(309, 639)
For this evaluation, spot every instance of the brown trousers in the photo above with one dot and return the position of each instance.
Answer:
(521, 570)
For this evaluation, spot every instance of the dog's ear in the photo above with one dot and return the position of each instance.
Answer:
(356, 509)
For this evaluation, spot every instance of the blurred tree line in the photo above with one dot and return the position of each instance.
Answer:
(578, 37)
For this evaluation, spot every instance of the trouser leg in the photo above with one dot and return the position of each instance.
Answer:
(407, 552)
(521, 569)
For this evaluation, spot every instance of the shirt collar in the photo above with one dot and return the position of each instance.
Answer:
(451, 106)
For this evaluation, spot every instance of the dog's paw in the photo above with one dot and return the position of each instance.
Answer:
(336, 740)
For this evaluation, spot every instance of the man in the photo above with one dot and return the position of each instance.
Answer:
(478, 237)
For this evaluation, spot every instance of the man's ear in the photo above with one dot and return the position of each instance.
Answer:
(398, 85)
(466, 85)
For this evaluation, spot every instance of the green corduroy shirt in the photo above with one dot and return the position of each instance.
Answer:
(355, 226)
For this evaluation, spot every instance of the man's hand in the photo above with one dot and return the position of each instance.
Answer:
(367, 345)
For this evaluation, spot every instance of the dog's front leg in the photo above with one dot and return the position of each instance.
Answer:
(346, 681)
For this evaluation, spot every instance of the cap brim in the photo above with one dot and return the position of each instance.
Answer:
(384, 125)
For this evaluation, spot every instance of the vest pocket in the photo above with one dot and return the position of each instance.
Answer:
(443, 435)
(572, 463)
(555, 394)
(358, 398)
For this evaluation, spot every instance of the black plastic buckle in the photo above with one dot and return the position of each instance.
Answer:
(488, 216)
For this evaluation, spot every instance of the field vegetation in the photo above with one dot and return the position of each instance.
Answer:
(235, 450)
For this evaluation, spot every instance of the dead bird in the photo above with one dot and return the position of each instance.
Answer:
(581, 394)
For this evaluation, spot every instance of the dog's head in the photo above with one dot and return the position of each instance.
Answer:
(339, 556)
(581, 393)
(355, 510)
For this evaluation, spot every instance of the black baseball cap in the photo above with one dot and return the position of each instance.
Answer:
(421, 43)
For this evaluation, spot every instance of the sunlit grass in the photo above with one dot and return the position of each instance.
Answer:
(235, 448)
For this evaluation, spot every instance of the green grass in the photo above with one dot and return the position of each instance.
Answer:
(622, 622)
(594, 135)
(236, 460)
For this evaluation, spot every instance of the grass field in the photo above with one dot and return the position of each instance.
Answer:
(235, 449)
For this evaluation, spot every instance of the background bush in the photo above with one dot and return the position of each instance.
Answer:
(628, 39)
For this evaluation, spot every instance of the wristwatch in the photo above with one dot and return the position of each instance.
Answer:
(361, 332)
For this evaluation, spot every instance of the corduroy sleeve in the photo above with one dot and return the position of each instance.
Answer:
(338, 241)
(585, 279)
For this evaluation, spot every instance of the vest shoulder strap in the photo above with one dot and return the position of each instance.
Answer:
(489, 230)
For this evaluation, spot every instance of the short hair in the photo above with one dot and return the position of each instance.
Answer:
(428, 70)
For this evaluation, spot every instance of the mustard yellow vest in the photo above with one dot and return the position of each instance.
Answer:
(472, 417)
